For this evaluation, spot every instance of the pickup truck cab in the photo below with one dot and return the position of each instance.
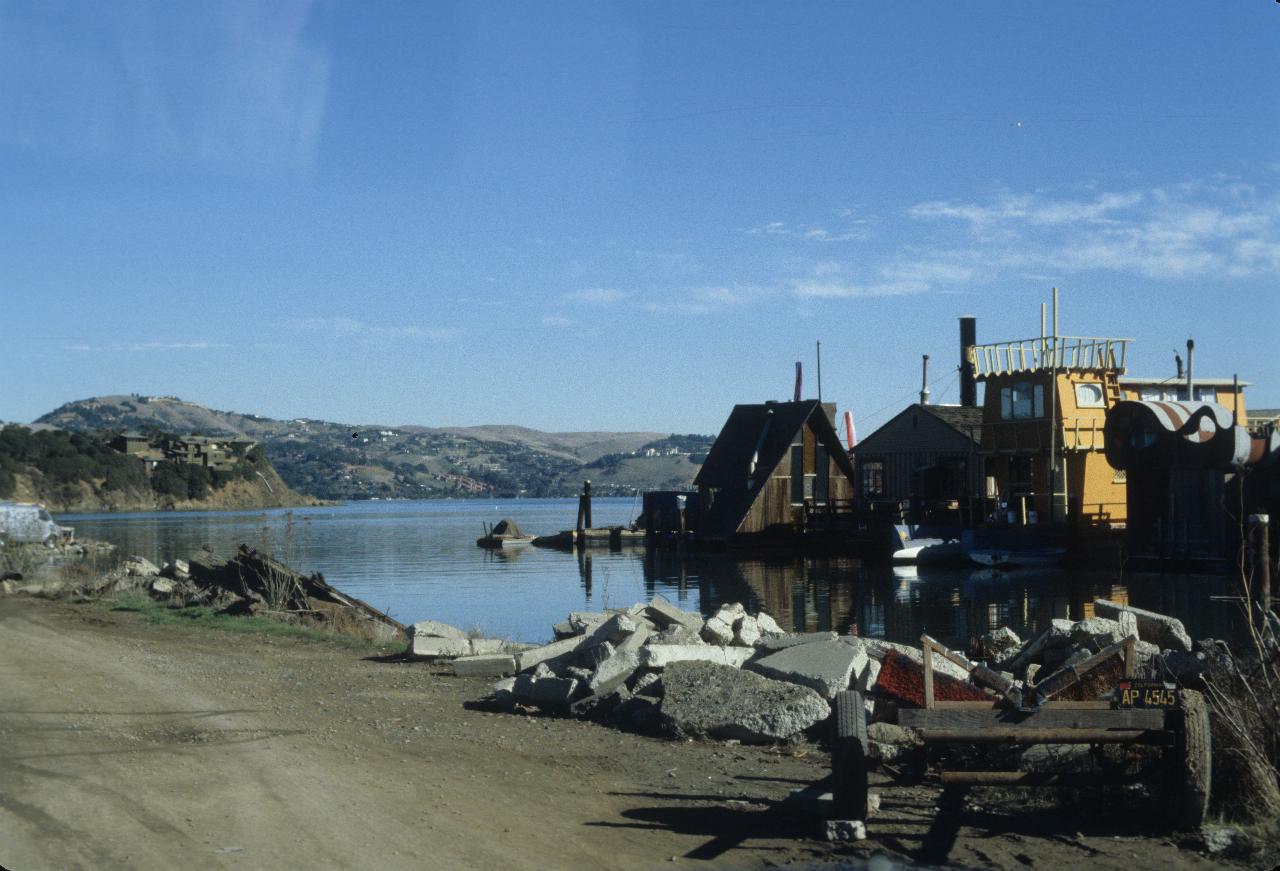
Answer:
(23, 522)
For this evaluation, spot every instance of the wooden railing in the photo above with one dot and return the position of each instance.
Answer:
(1046, 353)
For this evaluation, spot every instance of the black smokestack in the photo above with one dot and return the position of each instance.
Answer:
(968, 338)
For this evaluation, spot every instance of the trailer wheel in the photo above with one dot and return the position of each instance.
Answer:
(849, 757)
(1192, 768)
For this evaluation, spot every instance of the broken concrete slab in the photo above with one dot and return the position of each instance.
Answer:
(877, 649)
(678, 635)
(826, 666)
(503, 691)
(718, 701)
(582, 621)
(774, 643)
(746, 632)
(544, 692)
(665, 655)
(614, 671)
(556, 653)
(717, 631)
(613, 629)
(163, 586)
(435, 629)
(666, 615)
(487, 645)
(140, 567)
(648, 684)
(485, 665)
(1058, 634)
(434, 647)
(1097, 632)
(768, 626)
(1168, 632)
(999, 642)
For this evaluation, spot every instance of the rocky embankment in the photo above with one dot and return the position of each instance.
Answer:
(85, 497)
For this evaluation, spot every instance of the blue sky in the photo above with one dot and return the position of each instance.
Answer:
(621, 216)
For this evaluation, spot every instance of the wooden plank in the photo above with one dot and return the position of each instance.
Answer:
(1029, 778)
(1041, 718)
(1027, 735)
(928, 673)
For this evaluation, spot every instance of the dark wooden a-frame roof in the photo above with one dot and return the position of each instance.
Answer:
(728, 464)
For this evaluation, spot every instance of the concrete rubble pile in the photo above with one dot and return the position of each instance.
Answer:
(655, 667)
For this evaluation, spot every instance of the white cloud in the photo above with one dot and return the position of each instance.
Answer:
(144, 347)
(905, 276)
(595, 296)
(557, 321)
(348, 326)
(705, 300)
(1193, 230)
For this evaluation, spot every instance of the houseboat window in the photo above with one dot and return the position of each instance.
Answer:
(872, 478)
(1090, 396)
(1176, 394)
(1022, 401)
(797, 474)
(821, 467)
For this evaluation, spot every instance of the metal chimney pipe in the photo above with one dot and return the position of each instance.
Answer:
(968, 338)
(924, 382)
(1191, 381)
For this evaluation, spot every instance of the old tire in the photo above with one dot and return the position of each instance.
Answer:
(1194, 757)
(849, 757)
(851, 717)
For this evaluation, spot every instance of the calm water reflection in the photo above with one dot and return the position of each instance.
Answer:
(419, 560)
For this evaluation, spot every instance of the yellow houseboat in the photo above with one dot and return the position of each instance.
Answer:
(1044, 410)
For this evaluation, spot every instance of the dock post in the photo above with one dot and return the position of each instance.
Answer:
(584, 507)
(1258, 538)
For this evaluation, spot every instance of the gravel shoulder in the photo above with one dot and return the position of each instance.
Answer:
(125, 745)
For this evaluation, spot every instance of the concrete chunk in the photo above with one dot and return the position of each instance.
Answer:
(666, 615)
(486, 645)
(702, 698)
(432, 647)
(665, 655)
(544, 692)
(774, 643)
(435, 629)
(999, 642)
(614, 629)
(583, 621)
(877, 648)
(1168, 632)
(825, 666)
(768, 626)
(559, 652)
(717, 631)
(486, 665)
(746, 632)
(614, 672)
(1099, 632)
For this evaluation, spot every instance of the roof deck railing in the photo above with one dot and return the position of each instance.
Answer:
(1046, 353)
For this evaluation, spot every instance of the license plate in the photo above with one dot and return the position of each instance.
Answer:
(1137, 693)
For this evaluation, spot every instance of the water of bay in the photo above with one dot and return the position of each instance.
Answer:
(419, 560)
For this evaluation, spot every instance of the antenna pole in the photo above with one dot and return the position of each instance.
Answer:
(819, 371)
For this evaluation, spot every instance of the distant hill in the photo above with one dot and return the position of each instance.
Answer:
(359, 461)
(69, 470)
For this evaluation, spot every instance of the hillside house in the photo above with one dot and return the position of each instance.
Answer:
(772, 466)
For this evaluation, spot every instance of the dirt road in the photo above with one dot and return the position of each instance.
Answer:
(131, 746)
